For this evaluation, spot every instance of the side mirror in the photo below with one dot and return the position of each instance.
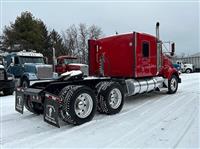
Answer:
(172, 49)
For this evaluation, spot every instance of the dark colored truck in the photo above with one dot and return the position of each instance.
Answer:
(7, 83)
(119, 66)
(28, 67)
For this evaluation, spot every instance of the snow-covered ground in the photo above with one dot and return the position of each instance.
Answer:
(155, 120)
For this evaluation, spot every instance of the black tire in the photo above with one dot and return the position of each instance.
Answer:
(33, 107)
(25, 83)
(172, 84)
(71, 96)
(105, 103)
(8, 91)
(188, 70)
(98, 89)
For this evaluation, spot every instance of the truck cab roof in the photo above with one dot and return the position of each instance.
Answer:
(124, 35)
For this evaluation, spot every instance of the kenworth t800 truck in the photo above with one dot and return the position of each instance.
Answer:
(119, 66)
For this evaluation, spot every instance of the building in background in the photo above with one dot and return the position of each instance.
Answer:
(192, 59)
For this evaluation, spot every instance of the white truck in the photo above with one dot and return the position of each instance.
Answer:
(186, 67)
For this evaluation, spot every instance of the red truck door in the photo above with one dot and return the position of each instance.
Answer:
(145, 55)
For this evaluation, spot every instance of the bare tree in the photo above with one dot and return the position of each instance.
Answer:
(83, 37)
(71, 39)
(75, 39)
(95, 32)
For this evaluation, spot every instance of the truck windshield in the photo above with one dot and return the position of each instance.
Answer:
(27, 59)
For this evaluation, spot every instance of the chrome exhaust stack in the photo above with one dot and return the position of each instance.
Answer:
(159, 48)
(157, 31)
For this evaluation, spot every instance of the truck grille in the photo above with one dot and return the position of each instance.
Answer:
(44, 72)
(2, 75)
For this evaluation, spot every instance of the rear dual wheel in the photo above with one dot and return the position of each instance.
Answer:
(110, 97)
(79, 104)
(79, 101)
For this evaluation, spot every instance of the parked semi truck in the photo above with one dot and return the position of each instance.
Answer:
(28, 67)
(67, 63)
(189, 64)
(119, 66)
(186, 67)
(7, 83)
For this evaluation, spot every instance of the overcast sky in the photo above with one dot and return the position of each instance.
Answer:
(179, 21)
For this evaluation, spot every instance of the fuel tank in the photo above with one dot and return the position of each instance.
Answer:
(137, 86)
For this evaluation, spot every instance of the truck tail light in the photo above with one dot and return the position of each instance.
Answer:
(55, 98)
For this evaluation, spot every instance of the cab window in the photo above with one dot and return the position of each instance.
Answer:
(145, 49)
(16, 60)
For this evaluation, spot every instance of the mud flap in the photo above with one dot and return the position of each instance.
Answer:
(51, 113)
(19, 102)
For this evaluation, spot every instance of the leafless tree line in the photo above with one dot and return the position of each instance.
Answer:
(75, 39)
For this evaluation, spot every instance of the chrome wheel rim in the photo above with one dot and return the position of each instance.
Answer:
(173, 84)
(83, 105)
(115, 98)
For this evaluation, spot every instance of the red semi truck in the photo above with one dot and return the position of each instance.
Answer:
(119, 66)
(67, 63)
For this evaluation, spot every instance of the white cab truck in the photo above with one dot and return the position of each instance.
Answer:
(186, 67)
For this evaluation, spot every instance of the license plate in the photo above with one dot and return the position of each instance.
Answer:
(51, 112)
(19, 102)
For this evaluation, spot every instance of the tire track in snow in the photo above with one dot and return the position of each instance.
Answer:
(187, 127)
(151, 129)
(145, 122)
(107, 121)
